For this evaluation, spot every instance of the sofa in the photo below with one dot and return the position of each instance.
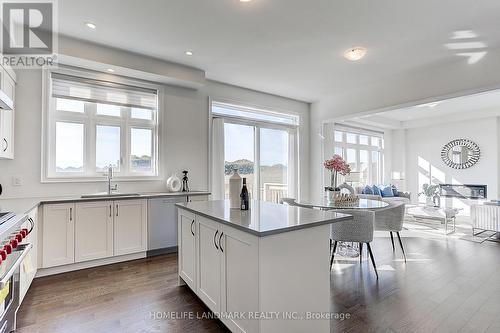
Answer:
(397, 197)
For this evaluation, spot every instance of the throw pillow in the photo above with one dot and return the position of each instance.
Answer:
(387, 192)
(395, 190)
(367, 190)
(376, 190)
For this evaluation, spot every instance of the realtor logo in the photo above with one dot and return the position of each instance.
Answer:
(28, 33)
(27, 28)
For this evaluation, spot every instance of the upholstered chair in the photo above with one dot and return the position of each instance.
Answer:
(391, 219)
(359, 230)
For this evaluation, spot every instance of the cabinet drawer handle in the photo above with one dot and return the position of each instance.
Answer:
(192, 232)
(116, 209)
(110, 208)
(6, 144)
(220, 244)
(71, 214)
(215, 236)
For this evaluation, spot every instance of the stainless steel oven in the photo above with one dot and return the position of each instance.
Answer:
(9, 287)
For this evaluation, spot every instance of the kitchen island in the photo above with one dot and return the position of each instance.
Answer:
(262, 270)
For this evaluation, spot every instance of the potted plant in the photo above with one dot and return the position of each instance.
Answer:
(430, 191)
(336, 165)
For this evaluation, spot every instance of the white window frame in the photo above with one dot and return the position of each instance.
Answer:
(293, 132)
(344, 145)
(90, 119)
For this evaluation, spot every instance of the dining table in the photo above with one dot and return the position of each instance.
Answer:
(345, 249)
(325, 204)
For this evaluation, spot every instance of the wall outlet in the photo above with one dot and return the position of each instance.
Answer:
(17, 181)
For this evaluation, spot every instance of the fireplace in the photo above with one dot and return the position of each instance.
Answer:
(464, 191)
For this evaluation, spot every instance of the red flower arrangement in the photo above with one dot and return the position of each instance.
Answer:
(337, 165)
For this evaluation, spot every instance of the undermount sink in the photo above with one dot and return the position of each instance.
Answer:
(107, 195)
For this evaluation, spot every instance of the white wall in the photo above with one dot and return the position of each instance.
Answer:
(423, 156)
(184, 141)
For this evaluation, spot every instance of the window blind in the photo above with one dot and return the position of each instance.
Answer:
(225, 110)
(98, 91)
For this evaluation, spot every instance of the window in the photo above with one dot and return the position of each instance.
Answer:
(262, 146)
(362, 150)
(93, 124)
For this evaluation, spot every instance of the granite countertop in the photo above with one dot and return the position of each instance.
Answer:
(24, 205)
(263, 218)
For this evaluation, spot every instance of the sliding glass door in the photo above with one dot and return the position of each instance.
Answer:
(261, 155)
(239, 153)
(274, 160)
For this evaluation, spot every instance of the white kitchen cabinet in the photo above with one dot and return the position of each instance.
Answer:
(58, 236)
(29, 265)
(187, 231)
(93, 230)
(226, 264)
(130, 226)
(7, 134)
(239, 278)
(7, 118)
(241, 272)
(209, 263)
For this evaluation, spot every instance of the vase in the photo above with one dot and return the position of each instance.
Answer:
(235, 185)
(429, 202)
(331, 193)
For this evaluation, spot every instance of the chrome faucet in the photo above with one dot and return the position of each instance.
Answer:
(110, 176)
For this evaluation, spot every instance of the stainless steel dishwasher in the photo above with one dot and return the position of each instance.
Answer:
(162, 225)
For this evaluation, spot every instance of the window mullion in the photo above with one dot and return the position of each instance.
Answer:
(90, 110)
(125, 146)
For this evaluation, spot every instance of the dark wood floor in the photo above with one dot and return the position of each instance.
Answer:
(447, 285)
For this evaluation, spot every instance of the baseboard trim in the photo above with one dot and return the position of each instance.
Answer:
(88, 264)
(165, 250)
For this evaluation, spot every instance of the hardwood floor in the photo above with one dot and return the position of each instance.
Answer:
(447, 285)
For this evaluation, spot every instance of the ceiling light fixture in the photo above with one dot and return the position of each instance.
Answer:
(90, 25)
(245, 0)
(189, 53)
(355, 53)
(111, 70)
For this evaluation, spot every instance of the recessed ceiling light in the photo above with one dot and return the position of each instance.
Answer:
(355, 53)
(245, 0)
(189, 53)
(111, 70)
(90, 25)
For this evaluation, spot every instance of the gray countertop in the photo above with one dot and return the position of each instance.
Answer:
(24, 205)
(263, 218)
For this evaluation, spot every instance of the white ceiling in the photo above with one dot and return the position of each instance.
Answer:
(462, 108)
(291, 48)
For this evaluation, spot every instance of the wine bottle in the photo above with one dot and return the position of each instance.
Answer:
(244, 196)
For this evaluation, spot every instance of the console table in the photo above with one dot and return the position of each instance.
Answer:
(444, 215)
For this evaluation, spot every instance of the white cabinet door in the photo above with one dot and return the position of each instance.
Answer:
(187, 231)
(93, 230)
(29, 265)
(7, 119)
(58, 236)
(130, 226)
(7, 134)
(240, 276)
(209, 262)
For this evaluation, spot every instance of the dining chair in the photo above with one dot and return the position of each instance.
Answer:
(391, 219)
(359, 229)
